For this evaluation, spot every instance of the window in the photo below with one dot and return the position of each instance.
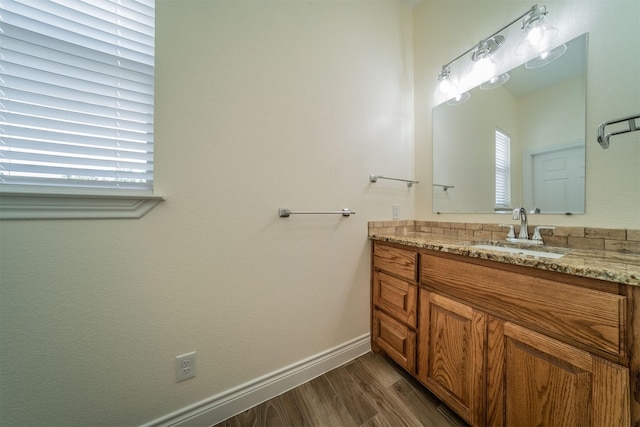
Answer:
(503, 170)
(76, 112)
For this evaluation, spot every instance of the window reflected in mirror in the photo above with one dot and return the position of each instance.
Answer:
(503, 170)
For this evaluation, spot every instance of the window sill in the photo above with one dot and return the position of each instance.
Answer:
(41, 205)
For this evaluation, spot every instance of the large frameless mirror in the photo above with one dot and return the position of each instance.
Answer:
(519, 144)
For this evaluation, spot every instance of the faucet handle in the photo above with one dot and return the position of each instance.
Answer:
(511, 234)
(536, 233)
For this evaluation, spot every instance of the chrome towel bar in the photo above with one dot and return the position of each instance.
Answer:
(285, 212)
(374, 178)
(444, 187)
(604, 139)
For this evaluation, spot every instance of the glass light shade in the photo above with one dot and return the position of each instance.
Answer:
(495, 82)
(447, 88)
(460, 98)
(546, 57)
(449, 91)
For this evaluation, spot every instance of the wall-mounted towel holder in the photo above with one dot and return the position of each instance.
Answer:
(444, 187)
(286, 212)
(604, 139)
(374, 178)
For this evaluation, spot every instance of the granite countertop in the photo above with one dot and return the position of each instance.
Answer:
(596, 264)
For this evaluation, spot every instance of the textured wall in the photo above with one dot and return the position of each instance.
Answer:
(258, 105)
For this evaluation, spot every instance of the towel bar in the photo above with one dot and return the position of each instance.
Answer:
(604, 139)
(374, 178)
(444, 187)
(285, 212)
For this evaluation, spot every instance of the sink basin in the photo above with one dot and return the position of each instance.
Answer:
(521, 251)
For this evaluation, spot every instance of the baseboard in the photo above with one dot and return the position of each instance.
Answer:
(224, 405)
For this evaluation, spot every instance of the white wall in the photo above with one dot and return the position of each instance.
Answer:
(561, 107)
(259, 105)
(445, 29)
(466, 150)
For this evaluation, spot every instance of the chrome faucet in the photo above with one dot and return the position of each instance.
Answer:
(521, 213)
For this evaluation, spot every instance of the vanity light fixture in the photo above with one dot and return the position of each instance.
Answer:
(449, 90)
(446, 87)
(539, 33)
(538, 39)
(537, 42)
(485, 67)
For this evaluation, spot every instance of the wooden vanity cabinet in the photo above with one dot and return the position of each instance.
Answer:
(544, 350)
(394, 304)
(505, 345)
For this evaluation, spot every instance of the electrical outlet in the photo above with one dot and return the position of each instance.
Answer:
(185, 366)
(396, 211)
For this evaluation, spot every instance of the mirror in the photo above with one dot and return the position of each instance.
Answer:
(542, 113)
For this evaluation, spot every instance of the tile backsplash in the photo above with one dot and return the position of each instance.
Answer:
(610, 239)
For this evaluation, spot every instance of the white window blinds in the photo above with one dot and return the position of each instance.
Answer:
(76, 100)
(503, 169)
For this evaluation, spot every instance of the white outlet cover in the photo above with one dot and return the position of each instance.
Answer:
(185, 366)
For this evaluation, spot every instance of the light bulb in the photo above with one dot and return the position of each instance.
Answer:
(485, 69)
(535, 35)
(447, 87)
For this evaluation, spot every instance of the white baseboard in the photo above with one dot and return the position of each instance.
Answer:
(224, 405)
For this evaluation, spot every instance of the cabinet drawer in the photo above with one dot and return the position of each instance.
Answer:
(397, 297)
(397, 261)
(589, 319)
(396, 339)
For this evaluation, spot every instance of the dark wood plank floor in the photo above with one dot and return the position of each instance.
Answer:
(369, 391)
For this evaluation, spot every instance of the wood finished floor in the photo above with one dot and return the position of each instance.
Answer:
(369, 391)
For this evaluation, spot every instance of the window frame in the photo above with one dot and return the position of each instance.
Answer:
(24, 201)
(34, 203)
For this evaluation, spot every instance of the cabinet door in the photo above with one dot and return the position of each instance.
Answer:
(534, 380)
(451, 354)
(396, 339)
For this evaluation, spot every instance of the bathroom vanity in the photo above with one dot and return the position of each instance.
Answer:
(508, 340)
